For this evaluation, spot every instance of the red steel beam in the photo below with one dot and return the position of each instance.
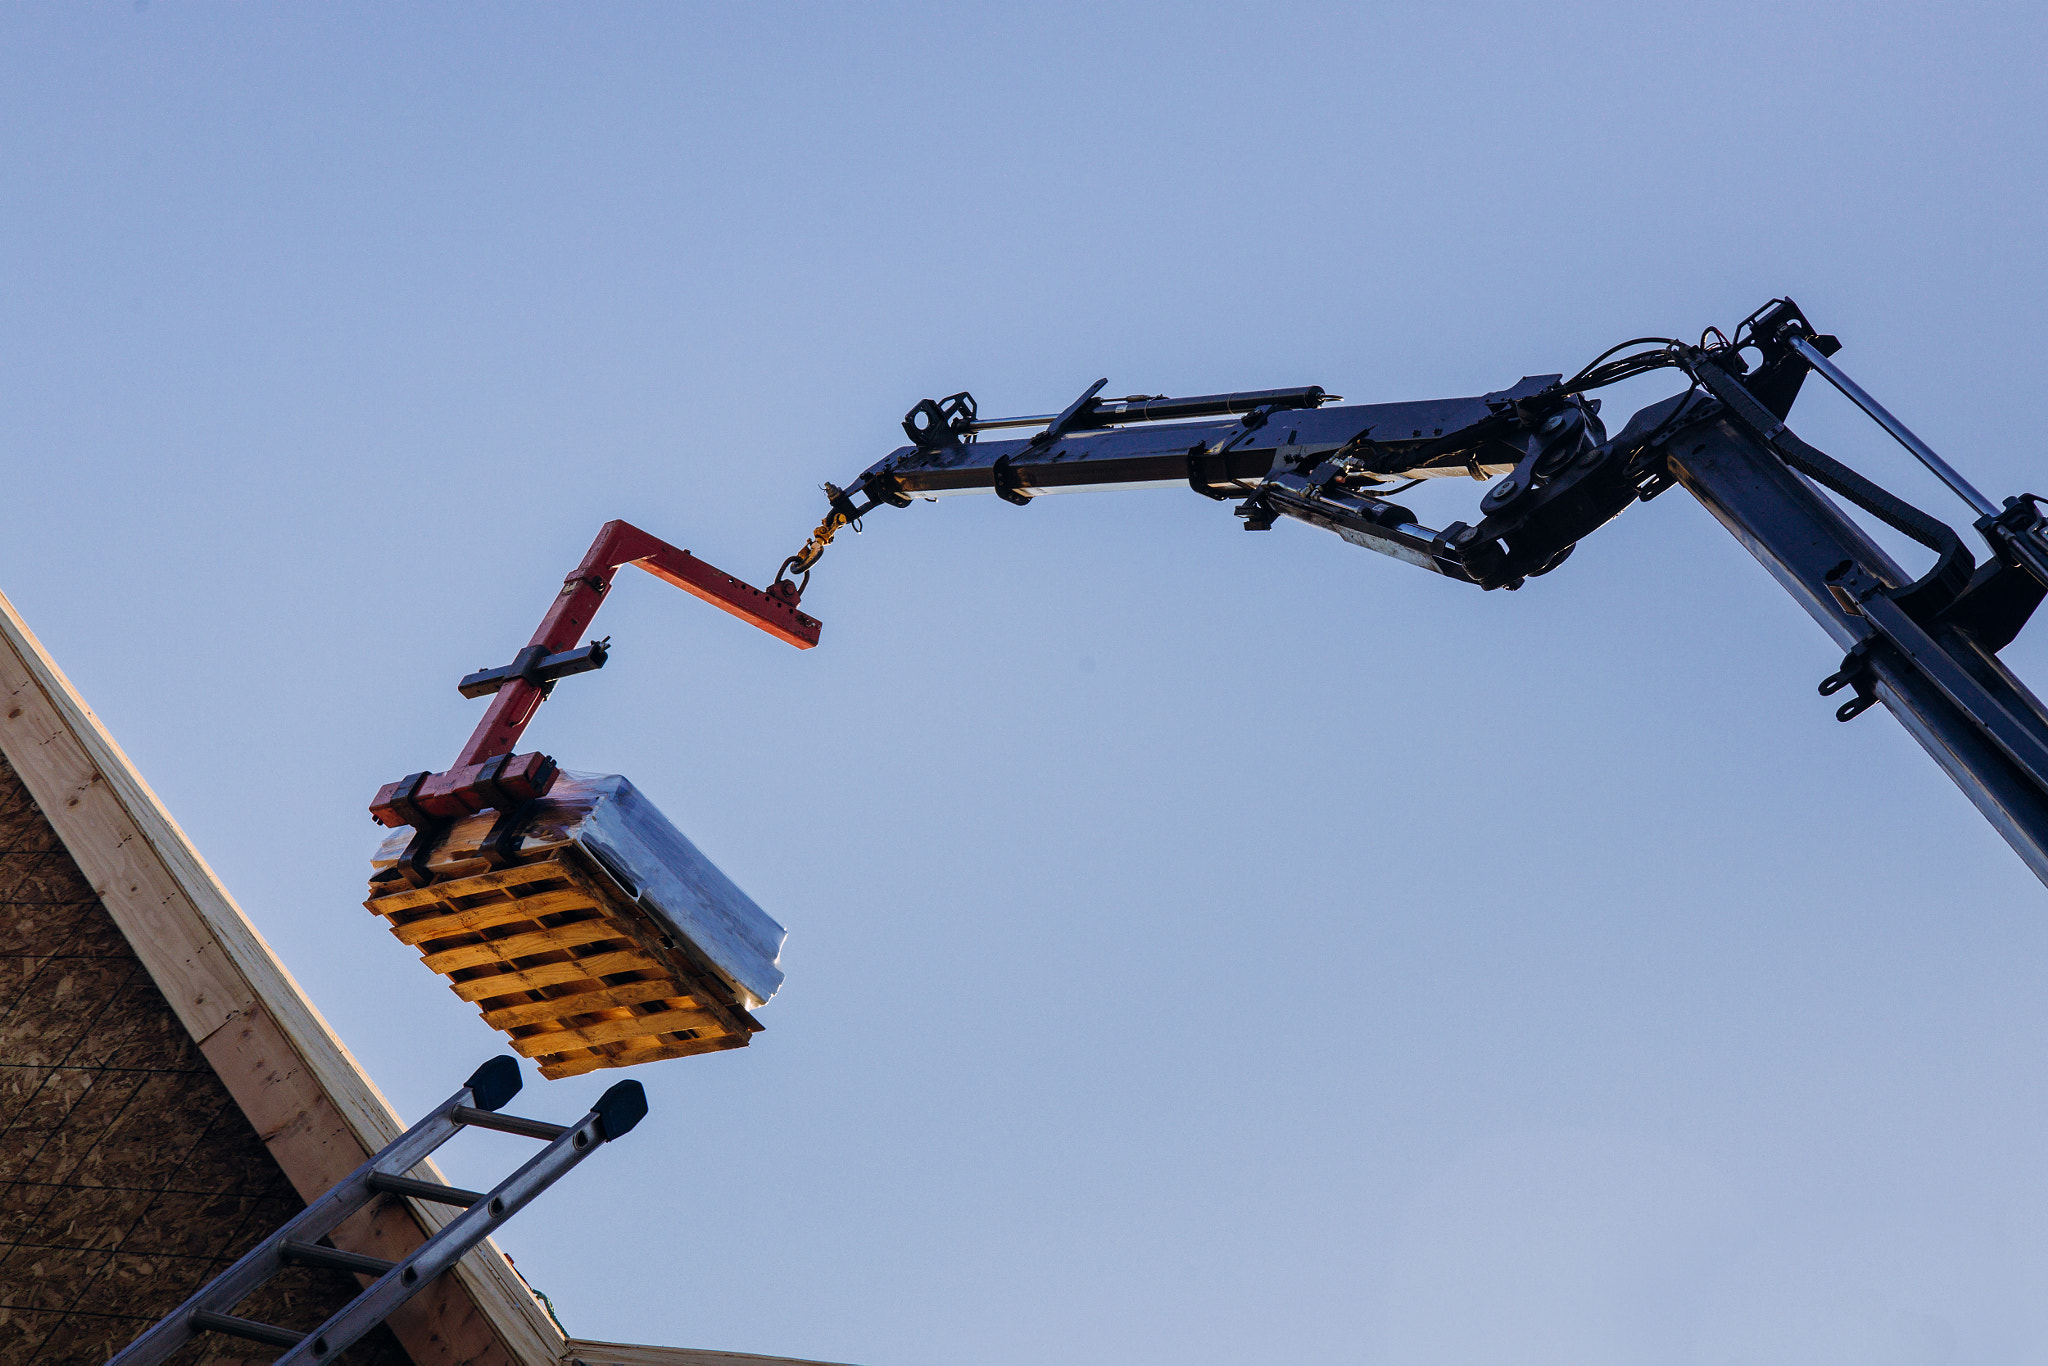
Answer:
(617, 545)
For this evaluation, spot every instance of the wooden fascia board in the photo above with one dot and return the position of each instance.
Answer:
(581, 1352)
(315, 1108)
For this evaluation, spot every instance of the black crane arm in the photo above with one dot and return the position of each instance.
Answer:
(1927, 646)
(1265, 446)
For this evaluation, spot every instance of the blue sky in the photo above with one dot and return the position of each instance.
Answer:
(1204, 947)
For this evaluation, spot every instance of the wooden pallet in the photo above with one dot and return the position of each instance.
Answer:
(572, 972)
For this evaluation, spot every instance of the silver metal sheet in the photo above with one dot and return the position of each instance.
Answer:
(655, 863)
(675, 883)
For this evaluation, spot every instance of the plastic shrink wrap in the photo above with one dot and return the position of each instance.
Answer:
(654, 864)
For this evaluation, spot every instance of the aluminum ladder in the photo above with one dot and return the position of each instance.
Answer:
(297, 1243)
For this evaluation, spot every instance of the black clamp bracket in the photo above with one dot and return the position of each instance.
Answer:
(405, 801)
(2021, 515)
(1854, 673)
(1254, 420)
(537, 667)
(1009, 486)
(501, 845)
(426, 829)
(938, 424)
(1259, 514)
(1074, 415)
(2016, 535)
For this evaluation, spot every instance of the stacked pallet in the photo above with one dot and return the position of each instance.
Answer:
(581, 948)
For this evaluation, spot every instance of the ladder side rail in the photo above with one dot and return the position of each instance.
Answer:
(316, 1221)
(616, 1112)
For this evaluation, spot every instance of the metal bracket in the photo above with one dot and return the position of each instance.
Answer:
(404, 800)
(1254, 420)
(517, 689)
(412, 864)
(937, 424)
(1070, 417)
(1009, 487)
(1258, 514)
(538, 667)
(501, 845)
(1854, 673)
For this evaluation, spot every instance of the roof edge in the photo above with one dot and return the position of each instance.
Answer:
(316, 1109)
(584, 1352)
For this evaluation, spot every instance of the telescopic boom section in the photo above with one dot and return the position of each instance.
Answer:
(486, 773)
(1924, 647)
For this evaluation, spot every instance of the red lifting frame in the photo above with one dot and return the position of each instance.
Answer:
(617, 545)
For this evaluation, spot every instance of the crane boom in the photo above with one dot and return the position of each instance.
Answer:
(1926, 647)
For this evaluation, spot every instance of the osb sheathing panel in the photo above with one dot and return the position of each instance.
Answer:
(128, 1176)
(311, 1106)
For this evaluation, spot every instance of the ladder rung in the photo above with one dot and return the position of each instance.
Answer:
(508, 1124)
(312, 1254)
(246, 1328)
(422, 1190)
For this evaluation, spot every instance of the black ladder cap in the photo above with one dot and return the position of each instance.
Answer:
(619, 1109)
(496, 1082)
